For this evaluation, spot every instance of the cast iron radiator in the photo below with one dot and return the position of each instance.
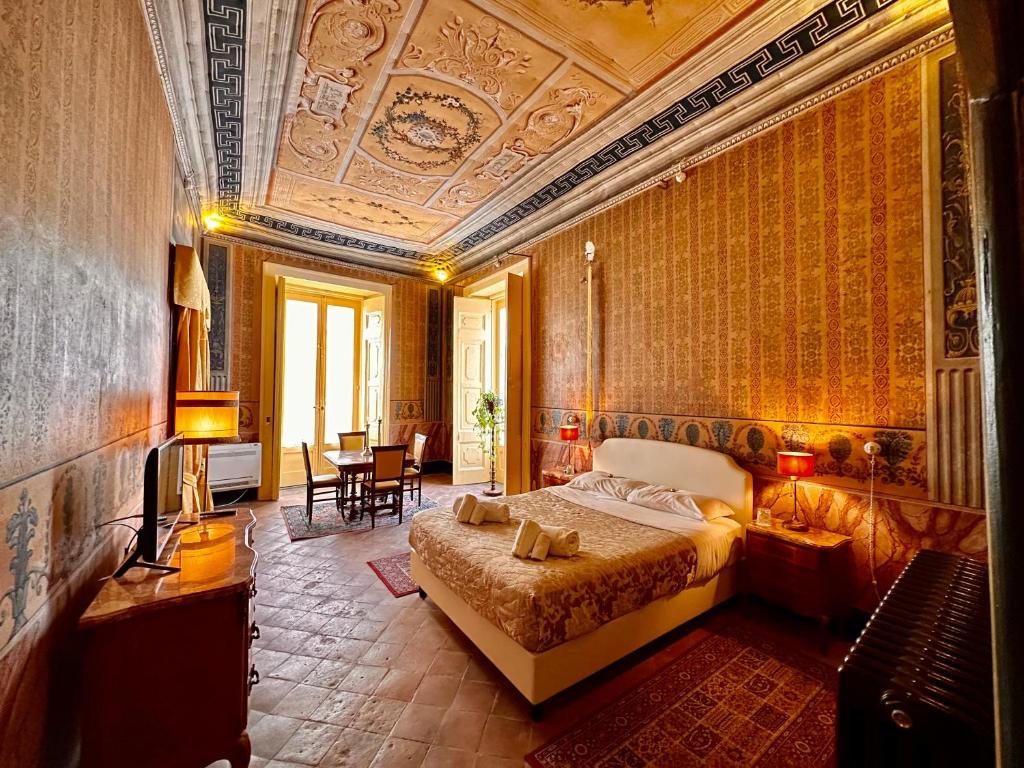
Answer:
(916, 688)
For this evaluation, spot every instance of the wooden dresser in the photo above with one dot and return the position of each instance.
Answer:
(166, 669)
(807, 572)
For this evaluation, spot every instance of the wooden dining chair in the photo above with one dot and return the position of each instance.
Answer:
(318, 484)
(386, 479)
(352, 441)
(414, 474)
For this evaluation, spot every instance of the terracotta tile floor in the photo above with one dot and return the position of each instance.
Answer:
(352, 676)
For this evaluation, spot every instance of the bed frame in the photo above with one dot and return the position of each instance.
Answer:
(539, 676)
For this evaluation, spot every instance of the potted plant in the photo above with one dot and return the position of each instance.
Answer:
(488, 414)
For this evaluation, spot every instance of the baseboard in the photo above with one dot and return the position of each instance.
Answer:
(437, 467)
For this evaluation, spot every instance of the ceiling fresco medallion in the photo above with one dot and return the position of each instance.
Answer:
(427, 130)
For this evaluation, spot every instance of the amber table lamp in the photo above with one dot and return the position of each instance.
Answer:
(795, 464)
(203, 417)
(569, 433)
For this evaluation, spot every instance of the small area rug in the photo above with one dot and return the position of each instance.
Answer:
(327, 520)
(736, 698)
(395, 572)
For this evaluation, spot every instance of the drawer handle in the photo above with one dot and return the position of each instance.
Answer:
(254, 677)
(254, 632)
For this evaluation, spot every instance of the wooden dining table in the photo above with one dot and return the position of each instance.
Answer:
(349, 464)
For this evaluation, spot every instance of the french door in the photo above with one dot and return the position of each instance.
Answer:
(320, 371)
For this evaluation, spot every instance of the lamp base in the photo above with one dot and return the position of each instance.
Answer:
(493, 492)
(795, 525)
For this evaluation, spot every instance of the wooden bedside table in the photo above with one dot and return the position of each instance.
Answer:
(549, 477)
(807, 572)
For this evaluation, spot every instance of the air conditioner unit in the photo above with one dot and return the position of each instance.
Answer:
(233, 466)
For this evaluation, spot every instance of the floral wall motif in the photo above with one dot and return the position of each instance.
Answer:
(408, 342)
(773, 300)
(84, 350)
(960, 291)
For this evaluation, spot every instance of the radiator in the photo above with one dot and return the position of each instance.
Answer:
(234, 466)
(916, 688)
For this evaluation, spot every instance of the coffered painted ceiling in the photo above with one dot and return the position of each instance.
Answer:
(406, 133)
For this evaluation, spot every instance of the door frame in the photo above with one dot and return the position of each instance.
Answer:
(489, 286)
(269, 429)
(324, 298)
(482, 308)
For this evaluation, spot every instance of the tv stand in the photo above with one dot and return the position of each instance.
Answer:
(166, 669)
(135, 561)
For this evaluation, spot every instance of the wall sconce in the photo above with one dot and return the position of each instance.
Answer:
(441, 275)
(213, 221)
(204, 417)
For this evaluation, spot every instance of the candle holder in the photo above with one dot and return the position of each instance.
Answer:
(367, 453)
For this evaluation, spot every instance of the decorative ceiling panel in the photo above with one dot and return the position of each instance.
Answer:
(632, 41)
(413, 131)
(410, 116)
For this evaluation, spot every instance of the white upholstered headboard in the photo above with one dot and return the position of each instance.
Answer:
(686, 467)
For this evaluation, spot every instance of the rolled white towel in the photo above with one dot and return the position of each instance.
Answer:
(526, 537)
(540, 547)
(565, 542)
(477, 516)
(494, 511)
(464, 506)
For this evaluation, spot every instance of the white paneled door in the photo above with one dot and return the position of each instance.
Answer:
(471, 375)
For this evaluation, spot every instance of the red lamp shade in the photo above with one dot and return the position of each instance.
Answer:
(569, 432)
(796, 463)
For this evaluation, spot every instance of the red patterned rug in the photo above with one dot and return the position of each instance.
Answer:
(394, 571)
(737, 698)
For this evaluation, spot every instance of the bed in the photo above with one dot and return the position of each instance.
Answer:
(546, 626)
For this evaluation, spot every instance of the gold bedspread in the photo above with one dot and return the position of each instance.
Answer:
(621, 566)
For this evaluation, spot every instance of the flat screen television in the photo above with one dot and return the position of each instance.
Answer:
(161, 505)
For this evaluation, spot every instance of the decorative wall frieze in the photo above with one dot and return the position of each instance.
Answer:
(754, 443)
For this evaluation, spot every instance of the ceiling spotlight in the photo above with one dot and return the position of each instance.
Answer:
(212, 221)
(441, 275)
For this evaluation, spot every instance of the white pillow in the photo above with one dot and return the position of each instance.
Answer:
(693, 506)
(604, 484)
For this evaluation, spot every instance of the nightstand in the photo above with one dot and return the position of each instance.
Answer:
(807, 572)
(549, 477)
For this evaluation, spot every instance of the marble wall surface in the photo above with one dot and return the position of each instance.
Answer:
(85, 328)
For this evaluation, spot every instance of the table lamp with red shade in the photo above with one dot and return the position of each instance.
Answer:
(570, 433)
(795, 464)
